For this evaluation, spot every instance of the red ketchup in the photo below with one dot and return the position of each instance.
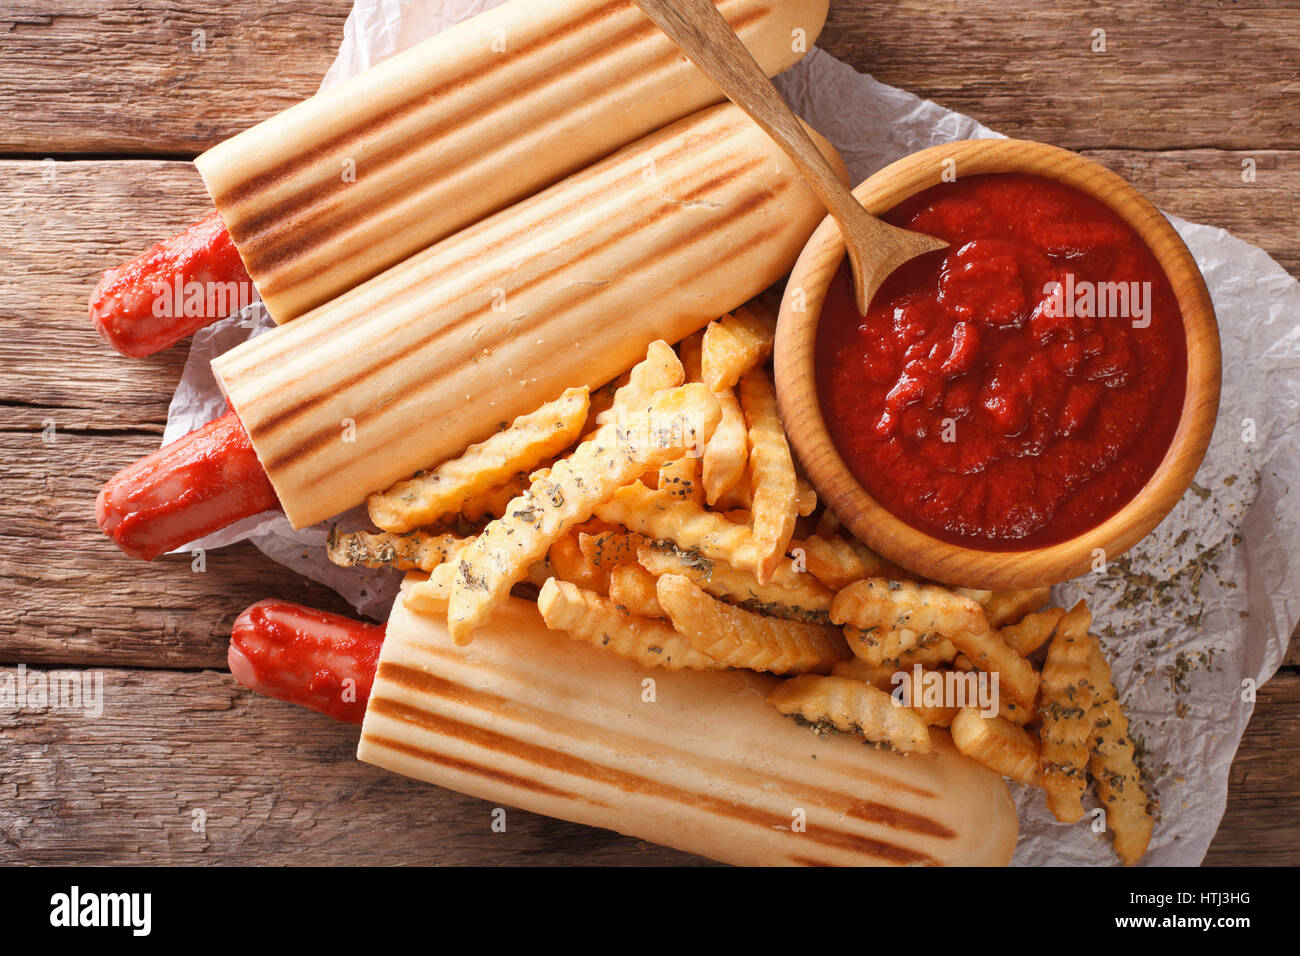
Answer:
(194, 486)
(320, 660)
(1018, 388)
(173, 289)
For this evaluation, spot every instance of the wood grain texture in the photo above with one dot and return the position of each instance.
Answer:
(276, 784)
(1176, 74)
(122, 76)
(118, 76)
(1207, 186)
(63, 224)
(1260, 827)
(72, 597)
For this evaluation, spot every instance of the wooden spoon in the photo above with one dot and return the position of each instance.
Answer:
(875, 248)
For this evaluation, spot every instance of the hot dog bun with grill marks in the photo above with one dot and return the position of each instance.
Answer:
(341, 186)
(528, 717)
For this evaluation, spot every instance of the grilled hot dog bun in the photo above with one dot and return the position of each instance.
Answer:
(528, 717)
(334, 190)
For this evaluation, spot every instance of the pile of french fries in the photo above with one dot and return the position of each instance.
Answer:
(662, 519)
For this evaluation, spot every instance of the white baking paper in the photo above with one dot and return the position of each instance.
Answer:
(1231, 547)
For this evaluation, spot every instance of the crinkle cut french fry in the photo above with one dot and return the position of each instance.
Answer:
(610, 549)
(528, 440)
(932, 654)
(740, 638)
(998, 744)
(775, 487)
(736, 343)
(852, 707)
(889, 678)
(1114, 767)
(936, 715)
(435, 591)
(929, 653)
(905, 605)
(984, 649)
(1032, 631)
(688, 351)
(656, 515)
(1012, 712)
(660, 369)
(676, 418)
(790, 594)
(1066, 715)
(739, 496)
(680, 478)
(875, 645)
(828, 526)
(838, 562)
(975, 594)
(414, 550)
(598, 621)
(632, 587)
(569, 563)
(880, 676)
(1008, 607)
(727, 453)
(492, 503)
(602, 399)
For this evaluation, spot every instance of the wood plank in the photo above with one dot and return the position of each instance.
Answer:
(57, 236)
(1260, 827)
(1175, 73)
(112, 76)
(278, 784)
(122, 76)
(72, 597)
(1207, 186)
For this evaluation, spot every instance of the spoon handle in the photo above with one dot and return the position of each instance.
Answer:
(704, 35)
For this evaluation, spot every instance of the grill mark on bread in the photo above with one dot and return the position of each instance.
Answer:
(268, 179)
(867, 811)
(625, 781)
(437, 686)
(464, 766)
(285, 417)
(274, 239)
(697, 140)
(315, 443)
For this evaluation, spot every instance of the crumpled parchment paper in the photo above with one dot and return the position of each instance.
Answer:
(1192, 618)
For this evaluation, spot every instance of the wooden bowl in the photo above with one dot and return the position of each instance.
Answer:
(871, 522)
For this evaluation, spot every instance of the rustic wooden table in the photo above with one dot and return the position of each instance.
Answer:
(104, 104)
